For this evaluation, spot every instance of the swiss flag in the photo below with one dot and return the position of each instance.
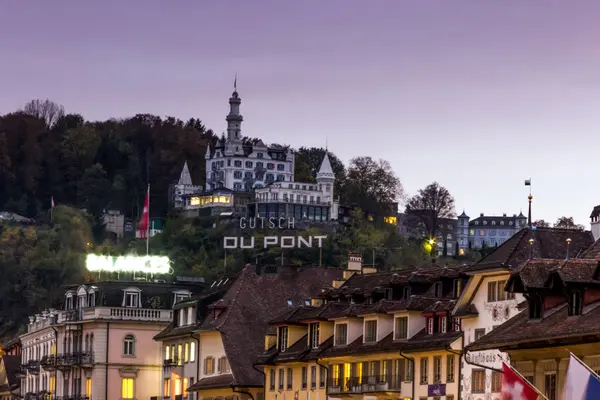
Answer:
(514, 387)
(145, 221)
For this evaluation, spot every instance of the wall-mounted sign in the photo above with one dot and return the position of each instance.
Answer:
(285, 242)
(437, 389)
(145, 264)
(487, 358)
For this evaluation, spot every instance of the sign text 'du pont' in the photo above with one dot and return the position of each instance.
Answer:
(285, 242)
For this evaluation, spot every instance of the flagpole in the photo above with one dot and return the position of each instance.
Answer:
(527, 381)
(591, 371)
(148, 226)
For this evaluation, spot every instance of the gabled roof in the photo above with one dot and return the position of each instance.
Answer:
(11, 367)
(547, 243)
(255, 298)
(537, 274)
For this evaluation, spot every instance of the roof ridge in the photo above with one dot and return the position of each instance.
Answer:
(232, 301)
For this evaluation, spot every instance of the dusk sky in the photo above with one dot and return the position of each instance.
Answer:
(477, 95)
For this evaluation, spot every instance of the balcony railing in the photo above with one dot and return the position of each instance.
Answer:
(67, 361)
(364, 384)
(171, 362)
(116, 313)
(288, 200)
(21, 371)
(48, 362)
(33, 366)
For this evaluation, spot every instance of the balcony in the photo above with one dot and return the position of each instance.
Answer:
(48, 363)
(296, 201)
(116, 313)
(365, 384)
(67, 361)
(33, 366)
(172, 363)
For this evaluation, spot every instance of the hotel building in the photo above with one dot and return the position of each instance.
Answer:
(100, 344)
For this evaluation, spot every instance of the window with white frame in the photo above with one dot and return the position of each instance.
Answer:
(341, 334)
(401, 328)
(282, 338)
(129, 345)
(430, 325)
(131, 298)
(314, 335)
(180, 296)
(371, 331)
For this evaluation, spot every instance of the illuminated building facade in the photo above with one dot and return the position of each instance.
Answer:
(375, 334)
(219, 202)
(100, 344)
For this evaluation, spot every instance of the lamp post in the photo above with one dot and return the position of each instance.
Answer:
(568, 246)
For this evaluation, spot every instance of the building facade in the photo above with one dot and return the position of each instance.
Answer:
(560, 317)
(239, 164)
(485, 305)
(384, 335)
(100, 345)
(492, 231)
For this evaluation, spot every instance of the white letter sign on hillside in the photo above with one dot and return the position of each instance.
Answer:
(145, 264)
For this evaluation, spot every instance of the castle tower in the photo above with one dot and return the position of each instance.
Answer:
(234, 118)
(462, 231)
(326, 178)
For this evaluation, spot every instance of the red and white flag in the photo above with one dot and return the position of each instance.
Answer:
(145, 221)
(515, 387)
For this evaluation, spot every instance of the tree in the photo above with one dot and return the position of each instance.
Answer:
(540, 223)
(430, 205)
(94, 195)
(568, 223)
(47, 110)
(373, 186)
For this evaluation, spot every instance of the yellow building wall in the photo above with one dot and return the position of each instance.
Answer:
(296, 392)
(421, 390)
(325, 331)
(295, 333)
(213, 393)
(538, 364)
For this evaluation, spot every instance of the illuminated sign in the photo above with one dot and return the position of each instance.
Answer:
(285, 242)
(145, 264)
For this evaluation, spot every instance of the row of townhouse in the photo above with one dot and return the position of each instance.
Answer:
(286, 331)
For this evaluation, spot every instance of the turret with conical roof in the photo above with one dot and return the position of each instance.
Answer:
(326, 177)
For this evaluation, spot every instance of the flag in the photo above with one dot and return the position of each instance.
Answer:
(52, 202)
(145, 221)
(514, 387)
(581, 383)
(527, 182)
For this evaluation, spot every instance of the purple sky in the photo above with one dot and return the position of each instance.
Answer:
(478, 95)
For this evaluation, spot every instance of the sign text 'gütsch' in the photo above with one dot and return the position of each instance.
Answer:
(285, 242)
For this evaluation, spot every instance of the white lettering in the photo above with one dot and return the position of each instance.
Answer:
(243, 222)
(320, 239)
(145, 264)
(270, 240)
(252, 223)
(247, 246)
(289, 245)
(271, 223)
(291, 222)
(306, 243)
(230, 242)
(281, 221)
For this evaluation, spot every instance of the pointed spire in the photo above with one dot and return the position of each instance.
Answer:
(185, 178)
(207, 155)
(235, 83)
(325, 171)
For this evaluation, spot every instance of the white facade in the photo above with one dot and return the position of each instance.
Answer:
(238, 165)
(183, 187)
(38, 342)
(495, 306)
(595, 222)
(300, 200)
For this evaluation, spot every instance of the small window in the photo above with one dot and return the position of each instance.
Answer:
(223, 365)
(457, 288)
(209, 366)
(322, 376)
(127, 386)
(443, 324)
(304, 378)
(281, 378)
(314, 335)
(456, 324)
(313, 377)
(272, 380)
(430, 325)
(478, 381)
(535, 307)
(492, 292)
(341, 334)
(192, 351)
(437, 369)
(424, 369)
(370, 331)
(129, 345)
(290, 379)
(438, 289)
(496, 382)
(282, 338)
(575, 303)
(132, 299)
(290, 303)
(450, 368)
(401, 328)
(406, 292)
(479, 333)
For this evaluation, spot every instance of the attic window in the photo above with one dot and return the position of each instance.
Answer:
(438, 289)
(131, 298)
(282, 338)
(307, 302)
(69, 302)
(290, 303)
(501, 222)
(510, 222)
(181, 295)
(476, 222)
(430, 325)
(485, 222)
(575, 303)
(406, 292)
(493, 222)
(535, 307)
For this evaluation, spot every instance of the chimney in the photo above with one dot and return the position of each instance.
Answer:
(354, 262)
(481, 214)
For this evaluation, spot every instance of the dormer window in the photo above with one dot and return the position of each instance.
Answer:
(91, 298)
(443, 324)
(181, 295)
(69, 302)
(81, 303)
(131, 298)
(535, 307)
(438, 289)
(575, 303)
(430, 325)
(401, 328)
(282, 338)
(371, 331)
(456, 324)
(341, 334)
(457, 288)
(406, 292)
(314, 335)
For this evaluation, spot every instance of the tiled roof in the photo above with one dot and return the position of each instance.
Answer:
(211, 382)
(299, 351)
(255, 298)
(593, 251)
(547, 243)
(556, 324)
(11, 366)
(202, 303)
(536, 273)
(153, 295)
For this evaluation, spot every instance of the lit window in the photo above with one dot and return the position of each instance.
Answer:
(223, 365)
(129, 345)
(127, 388)
(192, 351)
(209, 366)
(186, 353)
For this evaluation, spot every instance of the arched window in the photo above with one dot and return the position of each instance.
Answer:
(129, 345)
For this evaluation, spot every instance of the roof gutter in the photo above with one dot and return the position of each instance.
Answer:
(326, 377)
(412, 373)
(459, 354)
(263, 374)
(466, 353)
(233, 388)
